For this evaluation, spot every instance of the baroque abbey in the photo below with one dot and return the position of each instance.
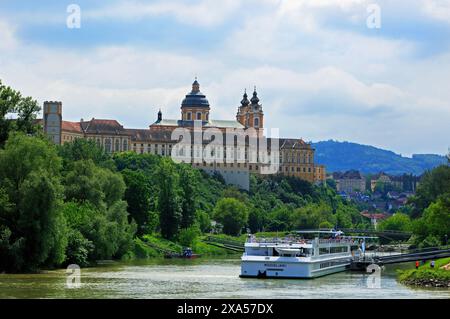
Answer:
(296, 157)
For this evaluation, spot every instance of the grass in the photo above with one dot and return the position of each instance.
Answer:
(152, 246)
(427, 276)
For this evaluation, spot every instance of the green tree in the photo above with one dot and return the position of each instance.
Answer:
(435, 220)
(255, 220)
(168, 203)
(82, 183)
(33, 232)
(398, 222)
(188, 236)
(280, 219)
(11, 101)
(82, 149)
(232, 214)
(432, 185)
(140, 199)
(8, 101)
(188, 185)
(204, 221)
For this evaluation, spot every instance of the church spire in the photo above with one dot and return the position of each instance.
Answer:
(245, 101)
(255, 99)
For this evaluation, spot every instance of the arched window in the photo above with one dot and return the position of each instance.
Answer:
(199, 116)
(189, 116)
(108, 145)
(117, 146)
(256, 122)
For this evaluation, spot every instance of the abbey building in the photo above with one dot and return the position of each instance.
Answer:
(294, 156)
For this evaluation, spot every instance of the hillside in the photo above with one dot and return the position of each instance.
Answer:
(342, 156)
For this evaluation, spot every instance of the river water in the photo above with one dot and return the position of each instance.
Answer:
(204, 278)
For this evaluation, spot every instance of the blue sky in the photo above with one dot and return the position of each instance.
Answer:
(320, 72)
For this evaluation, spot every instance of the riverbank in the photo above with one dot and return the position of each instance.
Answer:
(425, 276)
(152, 246)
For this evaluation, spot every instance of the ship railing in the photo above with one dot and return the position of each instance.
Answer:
(275, 240)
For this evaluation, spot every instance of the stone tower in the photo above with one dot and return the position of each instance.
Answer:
(250, 113)
(53, 120)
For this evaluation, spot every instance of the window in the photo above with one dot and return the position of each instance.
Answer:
(117, 146)
(199, 116)
(125, 145)
(256, 122)
(108, 145)
(189, 116)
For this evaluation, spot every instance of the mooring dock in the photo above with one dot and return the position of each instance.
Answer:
(361, 264)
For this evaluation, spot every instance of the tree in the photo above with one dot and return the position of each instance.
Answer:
(255, 220)
(204, 221)
(168, 203)
(8, 101)
(398, 222)
(83, 149)
(82, 183)
(280, 219)
(188, 187)
(139, 198)
(33, 231)
(188, 236)
(11, 101)
(435, 220)
(112, 186)
(432, 185)
(232, 214)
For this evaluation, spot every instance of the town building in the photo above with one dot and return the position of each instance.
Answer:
(296, 157)
(350, 182)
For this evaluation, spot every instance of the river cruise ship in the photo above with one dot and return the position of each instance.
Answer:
(306, 254)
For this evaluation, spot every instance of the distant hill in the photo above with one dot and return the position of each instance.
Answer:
(343, 156)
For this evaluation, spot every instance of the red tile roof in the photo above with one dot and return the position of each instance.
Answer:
(71, 127)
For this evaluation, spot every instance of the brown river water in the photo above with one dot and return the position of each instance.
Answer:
(204, 278)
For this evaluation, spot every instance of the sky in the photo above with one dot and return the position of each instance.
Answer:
(321, 73)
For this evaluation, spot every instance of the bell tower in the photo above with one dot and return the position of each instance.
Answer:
(250, 113)
(53, 121)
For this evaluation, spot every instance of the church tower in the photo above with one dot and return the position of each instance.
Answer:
(53, 121)
(250, 113)
(195, 106)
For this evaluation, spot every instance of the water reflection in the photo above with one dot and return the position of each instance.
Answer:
(201, 278)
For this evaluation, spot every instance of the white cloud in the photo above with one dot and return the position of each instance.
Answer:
(315, 81)
(7, 36)
(437, 9)
(202, 13)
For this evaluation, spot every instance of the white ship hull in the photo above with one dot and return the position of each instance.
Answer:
(287, 267)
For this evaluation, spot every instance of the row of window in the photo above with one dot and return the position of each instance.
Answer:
(112, 145)
(198, 116)
(333, 250)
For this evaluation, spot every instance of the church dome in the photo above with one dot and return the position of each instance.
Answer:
(195, 98)
(255, 99)
(245, 101)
